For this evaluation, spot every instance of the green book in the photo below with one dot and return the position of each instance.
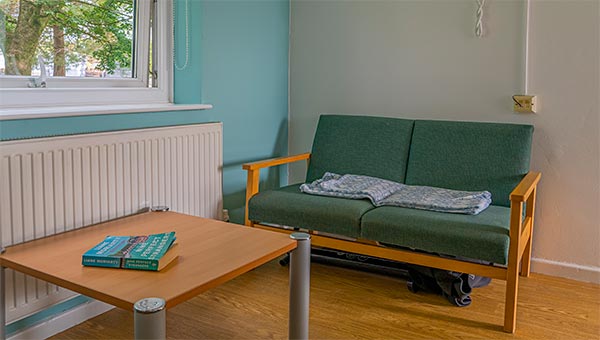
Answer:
(152, 252)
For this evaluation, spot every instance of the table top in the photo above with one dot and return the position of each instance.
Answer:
(210, 253)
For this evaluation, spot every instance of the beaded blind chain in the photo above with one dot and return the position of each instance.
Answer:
(187, 38)
(479, 24)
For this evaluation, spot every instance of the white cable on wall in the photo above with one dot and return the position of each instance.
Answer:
(187, 38)
(479, 24)
(527, 18)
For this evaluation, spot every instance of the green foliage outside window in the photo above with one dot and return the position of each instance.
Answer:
(67, 33)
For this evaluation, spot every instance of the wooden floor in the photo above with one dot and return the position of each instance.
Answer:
(349, 304)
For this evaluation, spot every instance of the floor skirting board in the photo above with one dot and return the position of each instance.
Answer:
(567, 270)
(60, 322)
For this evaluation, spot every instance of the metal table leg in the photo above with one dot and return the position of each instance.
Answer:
(149, 319)
(299, 287)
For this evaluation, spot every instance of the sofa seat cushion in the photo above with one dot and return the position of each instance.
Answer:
(482, 237)
(289, 206)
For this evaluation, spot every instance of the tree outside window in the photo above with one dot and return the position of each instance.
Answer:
(71, 38)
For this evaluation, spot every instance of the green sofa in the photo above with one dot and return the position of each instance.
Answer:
(469, 156)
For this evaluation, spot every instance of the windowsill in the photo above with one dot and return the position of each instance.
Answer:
(66, 111)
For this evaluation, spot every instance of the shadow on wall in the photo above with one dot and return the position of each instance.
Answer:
(275, 177)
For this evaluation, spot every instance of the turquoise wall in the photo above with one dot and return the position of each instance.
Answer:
(239, 63)
(245, 76)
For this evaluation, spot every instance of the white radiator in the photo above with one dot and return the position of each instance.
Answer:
(50, 185)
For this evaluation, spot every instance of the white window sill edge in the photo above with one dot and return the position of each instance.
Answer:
(66, 111)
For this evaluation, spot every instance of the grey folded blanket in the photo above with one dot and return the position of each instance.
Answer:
(383, 192)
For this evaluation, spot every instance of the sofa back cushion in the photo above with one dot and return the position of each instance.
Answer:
(361, 145)
(470, 156)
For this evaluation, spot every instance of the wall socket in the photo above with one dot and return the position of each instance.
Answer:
(525, 103)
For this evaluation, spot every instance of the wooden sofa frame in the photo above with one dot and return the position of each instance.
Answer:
(519, 256)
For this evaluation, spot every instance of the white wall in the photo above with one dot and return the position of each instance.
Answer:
(564, 71)
(421, 59)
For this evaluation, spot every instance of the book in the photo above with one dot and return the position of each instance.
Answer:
(151, 252)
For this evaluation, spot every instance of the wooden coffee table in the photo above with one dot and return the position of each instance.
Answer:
(211, 253)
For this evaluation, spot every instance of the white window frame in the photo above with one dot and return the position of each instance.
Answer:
(71, 91)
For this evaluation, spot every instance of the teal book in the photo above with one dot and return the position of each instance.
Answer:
(151, 252)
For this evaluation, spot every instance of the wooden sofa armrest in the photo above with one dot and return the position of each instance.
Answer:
(521, 235)
(275, 161)
(521, 225)
(522, 191)
(254, 174)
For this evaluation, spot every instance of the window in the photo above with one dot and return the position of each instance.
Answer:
(84, 52)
